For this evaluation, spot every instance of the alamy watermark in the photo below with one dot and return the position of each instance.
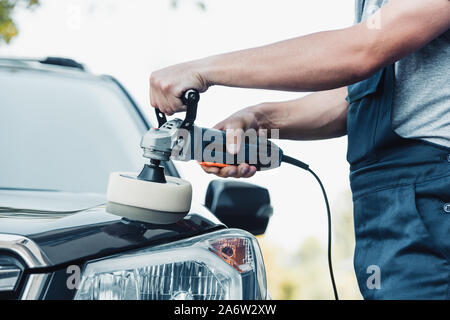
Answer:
(205, 145)
(374, 280)
(74, 277)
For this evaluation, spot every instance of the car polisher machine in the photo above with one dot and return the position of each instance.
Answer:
(152, 197)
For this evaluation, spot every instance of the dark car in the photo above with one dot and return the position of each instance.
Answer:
(63, 130)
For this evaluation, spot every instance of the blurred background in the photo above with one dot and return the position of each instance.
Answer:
(130, 39)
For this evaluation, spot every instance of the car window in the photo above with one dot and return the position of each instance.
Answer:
(65, 132)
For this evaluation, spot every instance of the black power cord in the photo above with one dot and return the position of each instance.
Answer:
(304, 166)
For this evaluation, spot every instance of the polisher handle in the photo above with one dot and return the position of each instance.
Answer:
(190, 99)
(161, 117)
(260, 152)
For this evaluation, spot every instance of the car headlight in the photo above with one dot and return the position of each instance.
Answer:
(10, 272)
(222, 265)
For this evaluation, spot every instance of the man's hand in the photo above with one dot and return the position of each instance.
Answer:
(235, 125)
(168, 85)
(321, 115)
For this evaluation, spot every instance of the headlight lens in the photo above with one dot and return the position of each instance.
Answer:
(10, 272)
(217, 266)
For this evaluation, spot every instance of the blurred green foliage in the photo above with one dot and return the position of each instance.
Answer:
(8, 28)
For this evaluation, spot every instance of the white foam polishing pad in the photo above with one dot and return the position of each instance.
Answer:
(163, 202)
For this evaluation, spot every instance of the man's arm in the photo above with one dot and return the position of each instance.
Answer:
(316, 62)
(327, 60)
(320, 115)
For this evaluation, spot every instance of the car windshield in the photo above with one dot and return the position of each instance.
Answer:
(64, 131)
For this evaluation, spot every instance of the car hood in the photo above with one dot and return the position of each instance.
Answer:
(71, 227)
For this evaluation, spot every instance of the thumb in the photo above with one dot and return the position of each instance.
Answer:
(234, 128)
(234, 139)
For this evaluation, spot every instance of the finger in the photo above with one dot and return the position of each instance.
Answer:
(175, 104)
(242, 170)
(155, 95)
(221, 125)
(156, 101)
(165, 104)
(234, 137)
(263, 133)
(228, 172)
(229, 123)
(152, 98)
(210, 170)
(251, 172)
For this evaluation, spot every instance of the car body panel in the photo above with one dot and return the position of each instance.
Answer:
(75, 226)
(53, 227)
(67, 236)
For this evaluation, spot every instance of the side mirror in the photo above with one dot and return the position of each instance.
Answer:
(239, 205)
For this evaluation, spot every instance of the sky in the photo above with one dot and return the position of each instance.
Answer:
(130, 39)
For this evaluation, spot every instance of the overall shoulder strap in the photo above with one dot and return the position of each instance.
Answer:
(360, 9)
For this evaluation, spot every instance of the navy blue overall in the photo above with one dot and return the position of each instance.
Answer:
(401, 196)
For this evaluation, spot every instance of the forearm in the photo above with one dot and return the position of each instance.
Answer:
(317, 62)
(320, 115)
(333, 59)
(301, 64)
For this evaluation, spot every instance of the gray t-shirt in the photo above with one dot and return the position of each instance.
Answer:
(421, 107)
